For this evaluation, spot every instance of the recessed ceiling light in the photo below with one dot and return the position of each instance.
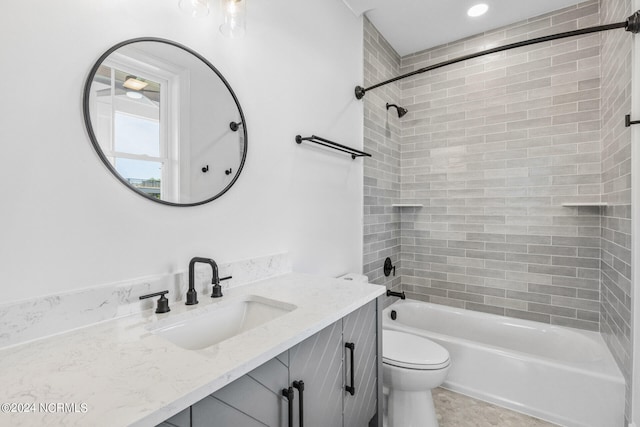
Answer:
(477, 10)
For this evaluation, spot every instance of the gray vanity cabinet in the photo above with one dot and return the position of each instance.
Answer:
(323, 362)
(317, 361)
(360, 329)
(181, 419)
(254, 399)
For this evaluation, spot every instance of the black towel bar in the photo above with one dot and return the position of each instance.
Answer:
(325, 142)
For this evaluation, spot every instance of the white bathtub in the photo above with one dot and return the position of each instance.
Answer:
(562, 375)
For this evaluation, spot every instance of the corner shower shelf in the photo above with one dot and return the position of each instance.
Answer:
(574, 205)
(406, 205)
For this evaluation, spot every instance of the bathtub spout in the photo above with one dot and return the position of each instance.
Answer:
(391, 293)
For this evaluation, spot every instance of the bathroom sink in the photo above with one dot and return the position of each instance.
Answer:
(218, 322)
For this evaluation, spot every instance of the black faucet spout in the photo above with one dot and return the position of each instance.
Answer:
(192, 294)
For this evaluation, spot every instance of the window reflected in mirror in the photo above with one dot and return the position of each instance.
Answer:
(159, 116)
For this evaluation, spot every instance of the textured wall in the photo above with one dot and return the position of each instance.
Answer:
(615, 309)
(382, 171)
(492, 148)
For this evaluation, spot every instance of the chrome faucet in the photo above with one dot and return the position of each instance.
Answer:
(192, 295)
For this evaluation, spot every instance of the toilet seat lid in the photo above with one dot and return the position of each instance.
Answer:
(412, 351)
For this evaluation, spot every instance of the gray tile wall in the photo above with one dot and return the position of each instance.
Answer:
(615, 309)
(382, 171)
(492, 147)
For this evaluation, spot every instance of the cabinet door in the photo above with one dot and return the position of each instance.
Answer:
(181, 419)
(360, 328)
(254, 399)
(318, 362)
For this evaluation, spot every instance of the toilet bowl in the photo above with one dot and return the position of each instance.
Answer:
(411, 367)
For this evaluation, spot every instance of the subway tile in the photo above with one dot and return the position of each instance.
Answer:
(576, 262)
(446, 301)
(552, 51)
(590, 242)
(553, 270)
(464, 296)
(505, 284)
(552, 290)
(528, 258)
(505, 247)
(448, 285)
(505, 303)
(574, 323)
(485, 255)
(527, 315)
(573, 14)
(577, 96)
(589, 316)
(540, 240)
(483, 290)
(482, 272)
(551, 310)
(576, 55)
(582, 304)
(529, 124)
(466, 279)
(528, 296)
(553, 250)
(485, 308)
(486, 237)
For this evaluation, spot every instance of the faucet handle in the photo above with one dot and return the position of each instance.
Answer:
(163, 302)
(216, 291)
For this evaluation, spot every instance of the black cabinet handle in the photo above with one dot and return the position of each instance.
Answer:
(351, 388)
(288, 393)
(299, 385)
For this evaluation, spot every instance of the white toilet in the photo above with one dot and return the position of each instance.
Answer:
(412, 366)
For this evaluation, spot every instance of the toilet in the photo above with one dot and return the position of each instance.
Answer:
(411, 367)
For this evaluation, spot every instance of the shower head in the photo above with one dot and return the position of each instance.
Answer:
(401, 111)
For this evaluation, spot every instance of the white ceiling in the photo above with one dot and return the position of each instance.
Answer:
(414, 25)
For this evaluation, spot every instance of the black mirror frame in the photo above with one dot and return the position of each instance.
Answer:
(94, 139)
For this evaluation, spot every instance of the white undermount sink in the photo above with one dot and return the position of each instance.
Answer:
(216, 323)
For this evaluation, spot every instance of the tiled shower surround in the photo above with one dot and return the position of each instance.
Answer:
(492, 148)
(382, 171)
(615, 320)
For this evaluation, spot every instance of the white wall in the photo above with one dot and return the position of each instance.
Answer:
(67, 223)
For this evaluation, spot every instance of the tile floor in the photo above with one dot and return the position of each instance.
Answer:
(457, 410)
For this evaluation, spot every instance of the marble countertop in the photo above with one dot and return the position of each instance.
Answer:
(117, 373)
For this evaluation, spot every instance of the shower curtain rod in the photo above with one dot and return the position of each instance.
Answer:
(632, 24)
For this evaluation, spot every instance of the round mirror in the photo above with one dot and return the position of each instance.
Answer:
(165, 122)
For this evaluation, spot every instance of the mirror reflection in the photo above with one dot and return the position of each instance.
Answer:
(165, 122)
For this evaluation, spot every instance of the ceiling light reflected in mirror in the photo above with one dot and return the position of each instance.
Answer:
(133, 83)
